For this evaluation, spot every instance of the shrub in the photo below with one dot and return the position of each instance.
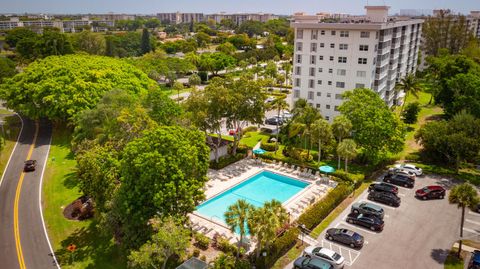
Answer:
(196, 252)
(249, 129)
(203, 258)
(279, 247)
(347, 177)
(318, 211)
(203, 75)
(411, 112)
(224, 245)
(226, 160)
(268, 146)
(201, 241)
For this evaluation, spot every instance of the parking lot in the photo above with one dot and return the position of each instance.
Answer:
(418, 234)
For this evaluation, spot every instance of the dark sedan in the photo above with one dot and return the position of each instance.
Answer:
(368, 221)
(400, 180)
(368, 208)
(384, 187)
(309, 263)
(274, 121)
(345, 236)
(29, 165)
(431, 192)
(387, 198)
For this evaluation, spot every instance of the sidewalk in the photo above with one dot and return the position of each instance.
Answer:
(465, 247)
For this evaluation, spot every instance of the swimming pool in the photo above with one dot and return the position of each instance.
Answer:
(257, 190)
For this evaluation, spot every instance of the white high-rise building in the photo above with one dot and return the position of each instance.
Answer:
(373, 51)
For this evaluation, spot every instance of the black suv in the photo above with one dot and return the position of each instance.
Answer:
(385, 187)
(345, 236)
(400, 180)
(384, 198)
(366, 220)
(29, 165)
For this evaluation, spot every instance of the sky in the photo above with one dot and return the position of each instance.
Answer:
(283, 7)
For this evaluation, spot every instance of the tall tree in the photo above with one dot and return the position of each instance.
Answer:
(348, 150)
(304, 115)
(170, 238)
(464, 195)
(92, 43)
(322, 133)
(409, 85)
(236, 217)
(145, 42)
(341, 127)
(15, 35)
(279, 104)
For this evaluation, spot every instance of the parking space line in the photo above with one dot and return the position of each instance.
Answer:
(359, 228)
(382, 205)
(350, 255)
(473, 213)
(474, 222)
(401, 194)
(471, 230)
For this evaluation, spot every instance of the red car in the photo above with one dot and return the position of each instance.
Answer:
(233, 131)
(431, 192)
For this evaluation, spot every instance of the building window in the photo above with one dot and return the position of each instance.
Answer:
(312, 71)
(310, 95)
(330, 84)
(344, 33)
(299, 46)
(320, 70)
(343, 46)
(299, 33)
(340, 84)
(313, 47)
(338, 96)
(319, 82)
(330, 70)
(297, 82)
(341, 72)
(334, 33)
(322, 45)
(314, 35)
(322, 32)
(363, 47)
(329, 94)
(299, 59)
(332, 45)
(296, 93)
(342, 60)
(318, 106)
(311, 83)
(320, 57)
(298, 70)
(361, 74)
(336, 108)
(313, 59)
(327, 106)
(362, 60)
(331, 58)
(319, 94)
(359, 85)
(364, 34)
(327, 117)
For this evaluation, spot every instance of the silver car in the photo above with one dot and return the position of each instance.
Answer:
(325, 254)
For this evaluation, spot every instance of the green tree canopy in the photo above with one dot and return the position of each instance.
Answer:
(251, 28)
(7, 69)
(59, 87)
(92, 43)
(15, 35)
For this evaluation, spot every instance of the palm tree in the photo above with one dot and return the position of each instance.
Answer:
(304, 115)
(287, 66)
(348, 150)
(236, 216)
(278, 104)
(321, 132)
(464, 195)
(341, 128)
(408, 84)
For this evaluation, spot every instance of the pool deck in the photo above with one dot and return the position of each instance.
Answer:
(224, 179)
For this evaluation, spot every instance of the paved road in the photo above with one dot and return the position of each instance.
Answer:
(20, 204)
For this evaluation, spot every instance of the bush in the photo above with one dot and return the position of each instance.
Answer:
(347, 177)
(201, 241)
(279, 247)
(203, 258)
(225, 246)
(320, 210)
(249, 129)
(196, 253)
(203, 76)
(410, 113)
(226, 160)
(268, 146)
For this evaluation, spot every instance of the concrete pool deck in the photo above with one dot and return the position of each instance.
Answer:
(232, 175)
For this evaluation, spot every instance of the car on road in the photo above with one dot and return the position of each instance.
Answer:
(311, 263)
(325, 254)
(383, 187)
(474, 260)
(400, 171)
(366, 220)
(368, 208)
(387, 198)
(430, 192)
(400, 180)
(274, 121)
(30, 165)
(345, 236)
(410, 167)
(287, 116)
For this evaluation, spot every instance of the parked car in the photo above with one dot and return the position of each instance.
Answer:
(287, 116)
(234, 131)
(384, 187)
(368, 208)
(274, 121)
(345, 236)
(30, 165)
(269, 100)
(366, 220)
(430, 192)
(400, 171)
(325, 254)
(384, 198)
(400, 180)
(474, 260)
(310, 263)
(410, 167)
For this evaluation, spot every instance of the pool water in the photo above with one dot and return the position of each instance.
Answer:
(257, 190)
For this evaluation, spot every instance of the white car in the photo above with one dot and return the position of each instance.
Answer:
(325, 254)
(411, 168)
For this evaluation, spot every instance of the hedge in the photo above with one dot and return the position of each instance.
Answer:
(350, 178)
(226, 160)
(278, 248)
(320, 210)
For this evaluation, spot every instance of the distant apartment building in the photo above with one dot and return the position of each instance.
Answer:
(373, 51)
(474, 23)
(178, 17)
(68, 26)
(239, 18)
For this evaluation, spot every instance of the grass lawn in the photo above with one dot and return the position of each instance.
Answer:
(453, 262)
(170, 92)
(61, 188)
(11, 129)
(250, 139)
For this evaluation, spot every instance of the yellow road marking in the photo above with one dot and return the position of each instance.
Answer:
(18, 244)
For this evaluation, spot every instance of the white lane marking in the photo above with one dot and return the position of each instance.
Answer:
(471, 230)
(383, 205)
(40, 201)
(474, 222)
(473, 213)
(13, 150)
(350, 255)
(360, 228)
